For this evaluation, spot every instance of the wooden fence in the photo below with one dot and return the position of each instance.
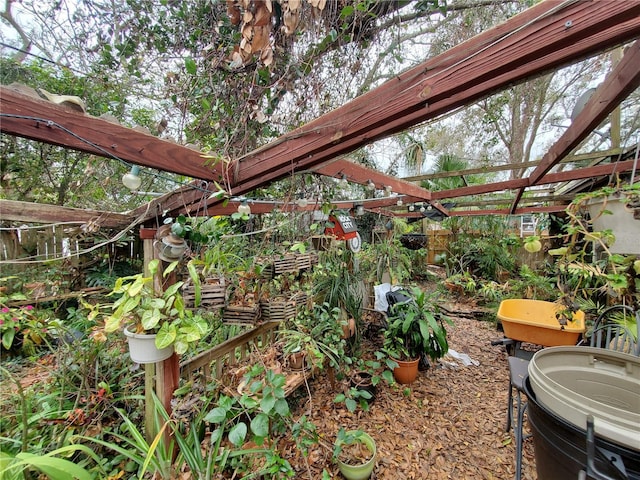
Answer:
(211, 364)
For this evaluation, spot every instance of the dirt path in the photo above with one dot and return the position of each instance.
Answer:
(449, 426)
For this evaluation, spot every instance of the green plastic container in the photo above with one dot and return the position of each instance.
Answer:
(363, 471)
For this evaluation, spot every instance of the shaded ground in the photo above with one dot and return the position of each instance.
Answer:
(450, 425)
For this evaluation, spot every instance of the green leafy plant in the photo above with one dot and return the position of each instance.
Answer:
(143, 310)
(416, 327)
(344, 439)
(318, 332)
(33, 327)
(155, 457)
(461, 283)
(15, 467)
(353, 398)
(587, 269)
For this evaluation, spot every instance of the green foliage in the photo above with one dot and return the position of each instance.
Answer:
(586, 267)
(533, 285)
(155, 457)
(14, 467)
(32, 327)
(141, 309)
(318, 332)
(336, 283)
(464, 281)
(416, 327)
(344, 438)
(353, 398)
(50, 174)
(387, 258)
(364, 377)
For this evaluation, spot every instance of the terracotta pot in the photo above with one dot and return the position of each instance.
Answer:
(406, 371)
(349, 328)
(296, 360)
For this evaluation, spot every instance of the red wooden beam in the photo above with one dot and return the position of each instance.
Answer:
(357, 173)
(618, 85)
(548, 35)
(37, 119)
(568, 175)
(507, 211)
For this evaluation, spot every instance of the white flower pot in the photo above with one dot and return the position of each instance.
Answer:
(142, 348)
(620, 221)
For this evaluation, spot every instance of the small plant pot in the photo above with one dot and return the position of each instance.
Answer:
(349, 328)
(362, 381)
(360, 471)
(297, 360)
(407, 371)
(142, 348)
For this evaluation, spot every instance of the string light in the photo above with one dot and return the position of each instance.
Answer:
(388, 190)
(302, 202)
(244, 208)
(359, 209)
(132, 179)
(370, 185)
(343, 180)
(399, 202)
(411, 208)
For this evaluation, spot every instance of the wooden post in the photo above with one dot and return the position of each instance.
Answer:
(615, 114)
(167, 372)
(147, 235)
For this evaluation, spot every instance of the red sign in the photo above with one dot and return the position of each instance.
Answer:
(344, 227)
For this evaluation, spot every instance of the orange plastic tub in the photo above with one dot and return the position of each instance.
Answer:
(534, 321)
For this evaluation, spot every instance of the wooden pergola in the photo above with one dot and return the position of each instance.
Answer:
(545, 37)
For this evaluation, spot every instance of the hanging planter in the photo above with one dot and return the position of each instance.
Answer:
(413, 241)
(322, 243)
(213, 293)
(143, 350)
(619, 214)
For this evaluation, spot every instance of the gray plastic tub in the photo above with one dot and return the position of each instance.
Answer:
(573, 382)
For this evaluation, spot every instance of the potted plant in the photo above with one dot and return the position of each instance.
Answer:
(355, 453)
(592, 273)
(156, 319)
(317, 333)
(364, 377)
(336, 283)
(415, 328)
(614, 209)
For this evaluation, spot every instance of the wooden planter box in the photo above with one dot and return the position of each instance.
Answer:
(300, 299)
(303, 261)
(267, 267)
(284, 264)
(278, 309)
(213, 294)
(241, 315)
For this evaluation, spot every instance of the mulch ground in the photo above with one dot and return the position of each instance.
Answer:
(450, 423)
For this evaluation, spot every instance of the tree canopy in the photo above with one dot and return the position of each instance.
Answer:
(231, 76)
